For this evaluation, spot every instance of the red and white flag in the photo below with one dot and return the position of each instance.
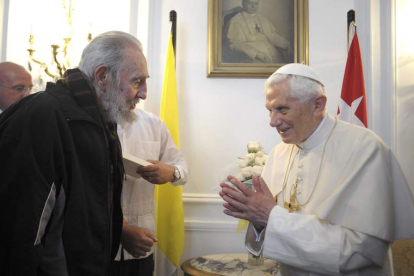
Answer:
(352, 105)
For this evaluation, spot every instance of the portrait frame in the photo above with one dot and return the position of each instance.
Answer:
(218, 66)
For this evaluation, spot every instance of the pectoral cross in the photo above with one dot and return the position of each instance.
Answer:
(292, 205)
(258, 29)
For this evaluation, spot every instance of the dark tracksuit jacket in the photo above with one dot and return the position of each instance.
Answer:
(59, 200)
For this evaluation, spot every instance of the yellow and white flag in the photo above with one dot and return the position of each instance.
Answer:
(168, 198)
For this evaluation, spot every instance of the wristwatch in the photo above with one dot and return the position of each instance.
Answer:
(177, 174)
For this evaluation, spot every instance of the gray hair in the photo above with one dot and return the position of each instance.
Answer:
(301, 88)
(107, 49)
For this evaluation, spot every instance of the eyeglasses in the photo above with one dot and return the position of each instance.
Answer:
(21, 88)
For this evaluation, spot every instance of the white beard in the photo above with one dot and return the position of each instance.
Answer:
(115, 107)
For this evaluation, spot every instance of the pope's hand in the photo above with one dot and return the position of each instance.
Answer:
(244, 203)
(137, 241)
(157, 173)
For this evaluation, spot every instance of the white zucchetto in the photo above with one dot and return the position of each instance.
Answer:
(299, 69)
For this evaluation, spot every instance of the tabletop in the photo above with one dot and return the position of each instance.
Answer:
(228, 265)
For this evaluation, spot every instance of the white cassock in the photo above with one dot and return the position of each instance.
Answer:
(253, 33)
(359, 204)
(146, 138)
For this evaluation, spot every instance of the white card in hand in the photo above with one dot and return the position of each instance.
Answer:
(131, 163)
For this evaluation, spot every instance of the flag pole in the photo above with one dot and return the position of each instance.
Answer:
(169, 204)
(351, 23)
(173, 20)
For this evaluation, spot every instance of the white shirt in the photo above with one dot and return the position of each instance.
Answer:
(146, 138)
(360, 203)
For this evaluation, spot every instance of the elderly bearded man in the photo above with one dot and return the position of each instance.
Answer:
(61, 166)
(337, 195)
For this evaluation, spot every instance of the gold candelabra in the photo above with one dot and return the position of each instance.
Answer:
(62, 61)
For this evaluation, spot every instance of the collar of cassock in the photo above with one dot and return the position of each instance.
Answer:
(320, 134)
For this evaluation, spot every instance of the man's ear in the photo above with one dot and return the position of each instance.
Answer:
(100, 77)
(320, 103)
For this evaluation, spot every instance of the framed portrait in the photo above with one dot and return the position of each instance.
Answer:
(253, 38)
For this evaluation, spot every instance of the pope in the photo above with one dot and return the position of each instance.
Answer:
(332, 196)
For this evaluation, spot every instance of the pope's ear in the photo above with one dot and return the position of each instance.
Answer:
(100, 77)
(320, 103)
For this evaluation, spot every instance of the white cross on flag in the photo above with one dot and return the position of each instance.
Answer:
(352, 105)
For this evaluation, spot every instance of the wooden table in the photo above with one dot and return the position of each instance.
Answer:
(228, 265)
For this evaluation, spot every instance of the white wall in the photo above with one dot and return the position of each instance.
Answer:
(405, 87)
(4, 10)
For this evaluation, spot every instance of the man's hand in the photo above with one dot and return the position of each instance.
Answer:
(244, 203)
(137, 241)
(158, 173)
